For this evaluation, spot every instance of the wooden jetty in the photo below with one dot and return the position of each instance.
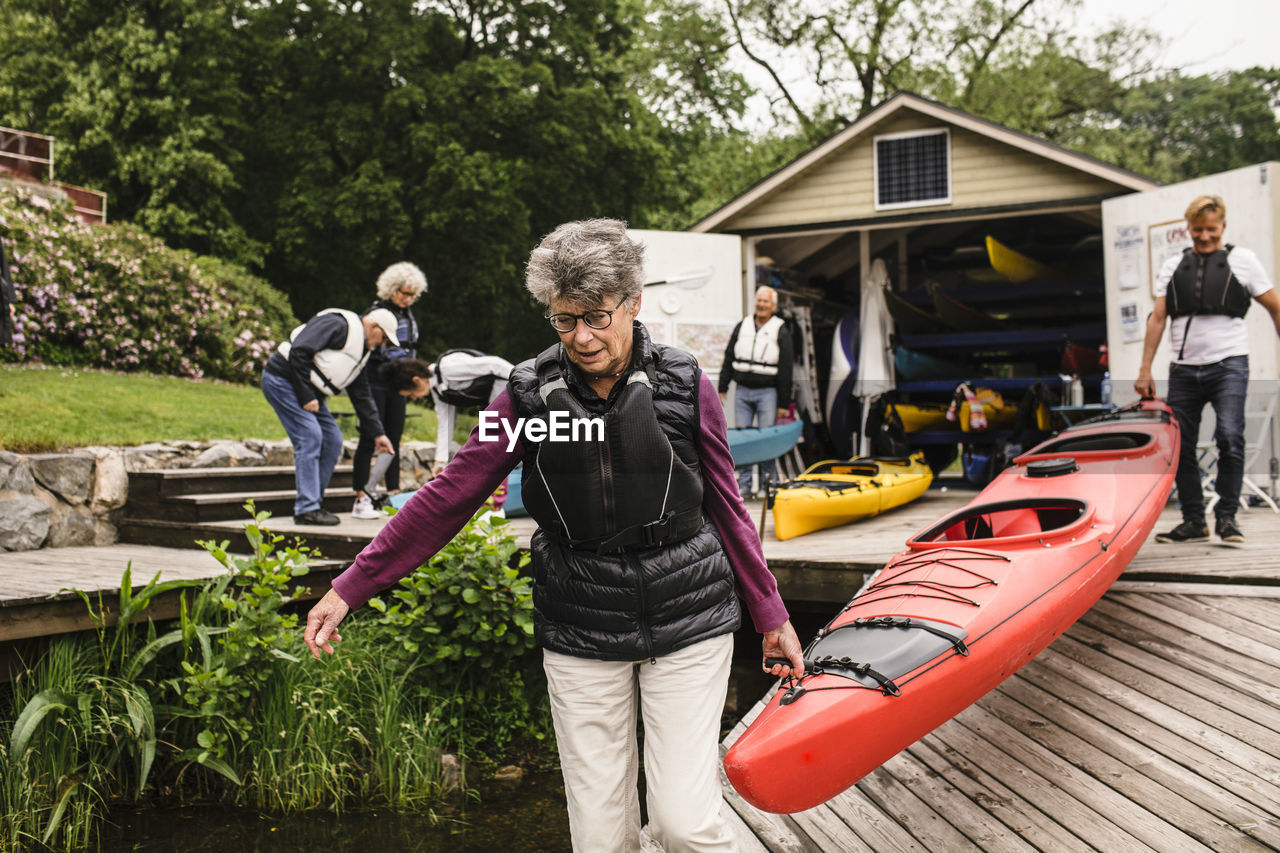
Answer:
(37, 588)
(1152, 724)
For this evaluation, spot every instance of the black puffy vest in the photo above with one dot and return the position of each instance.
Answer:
(625, 566)
(1216, 291)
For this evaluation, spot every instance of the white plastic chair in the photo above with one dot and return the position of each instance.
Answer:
(1258, 420)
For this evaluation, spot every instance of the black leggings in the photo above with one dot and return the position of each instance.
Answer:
(391, 410)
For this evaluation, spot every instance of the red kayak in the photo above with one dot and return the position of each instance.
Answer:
(973, 597)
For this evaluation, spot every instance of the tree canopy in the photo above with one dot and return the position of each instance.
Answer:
(317, 142)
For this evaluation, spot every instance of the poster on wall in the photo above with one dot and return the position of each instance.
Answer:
(1128, 246)
(1131, 326)
(1167, 240)
(706, 341)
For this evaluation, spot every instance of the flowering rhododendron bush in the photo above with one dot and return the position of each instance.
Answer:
(112, 296)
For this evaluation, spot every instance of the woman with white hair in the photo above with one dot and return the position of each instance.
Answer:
(398, 288)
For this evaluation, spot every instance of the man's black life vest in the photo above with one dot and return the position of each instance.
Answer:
(625, 565)
(1206, 285)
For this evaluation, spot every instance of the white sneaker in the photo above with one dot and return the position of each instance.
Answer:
(364, 508)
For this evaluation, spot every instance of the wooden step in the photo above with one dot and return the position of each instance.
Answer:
(229, 506)
(333, 542)
(170, 482)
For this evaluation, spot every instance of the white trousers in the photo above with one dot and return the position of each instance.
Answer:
(594, 704)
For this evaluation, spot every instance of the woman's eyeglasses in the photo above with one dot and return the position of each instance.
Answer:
(597, 319)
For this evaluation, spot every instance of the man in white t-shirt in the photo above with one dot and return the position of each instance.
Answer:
(1204, 294)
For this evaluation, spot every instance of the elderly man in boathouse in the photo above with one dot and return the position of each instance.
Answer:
(758, 359)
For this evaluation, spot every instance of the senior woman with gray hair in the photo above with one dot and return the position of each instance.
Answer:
(643, 556)
(398, 287)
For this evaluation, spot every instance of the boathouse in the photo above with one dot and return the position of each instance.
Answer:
(997, 261)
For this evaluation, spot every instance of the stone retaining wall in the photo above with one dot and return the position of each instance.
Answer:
(55, 500)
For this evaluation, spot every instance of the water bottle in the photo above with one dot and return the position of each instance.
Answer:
(1077, 391)
(1106, 388)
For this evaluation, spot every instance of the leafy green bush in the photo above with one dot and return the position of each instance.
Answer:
(112, 296)
(466, 603)
(222, 680)
(227, 702)
(466, 618)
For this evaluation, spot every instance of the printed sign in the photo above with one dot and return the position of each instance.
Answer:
(706, 341)
(1128, 245)
(1131, 326)
(1167, 240)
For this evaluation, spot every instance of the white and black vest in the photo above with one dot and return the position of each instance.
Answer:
(335, 369)
(625, 565)
(756, 350)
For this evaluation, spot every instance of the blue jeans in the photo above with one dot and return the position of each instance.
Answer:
(316, 440)
(749, 406)
(1222, 385)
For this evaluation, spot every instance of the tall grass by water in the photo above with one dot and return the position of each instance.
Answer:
(226, 704)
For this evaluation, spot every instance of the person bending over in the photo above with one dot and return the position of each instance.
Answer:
(324, 356)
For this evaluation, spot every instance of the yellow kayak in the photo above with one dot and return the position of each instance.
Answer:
(1016, 266)
(998, 412)
(837, 492)
(921, 417)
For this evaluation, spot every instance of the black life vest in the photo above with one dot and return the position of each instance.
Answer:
(625, 566)
(1206, 286)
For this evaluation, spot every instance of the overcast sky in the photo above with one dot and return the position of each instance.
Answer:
(1202, 36)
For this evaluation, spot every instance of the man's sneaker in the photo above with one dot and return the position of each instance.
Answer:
(1227, 530)
(317, 516)
(364, 508)
(1187, 531)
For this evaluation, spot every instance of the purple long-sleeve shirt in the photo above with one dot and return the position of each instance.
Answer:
(436, 513)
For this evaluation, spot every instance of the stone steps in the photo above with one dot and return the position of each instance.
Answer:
(229, 506)
(79, 498)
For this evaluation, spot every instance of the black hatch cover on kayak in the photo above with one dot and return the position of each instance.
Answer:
(874, 651)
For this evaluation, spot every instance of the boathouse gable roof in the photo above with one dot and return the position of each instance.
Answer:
(989, 166)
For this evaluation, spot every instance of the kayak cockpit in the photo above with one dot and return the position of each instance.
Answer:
(1025, 518)
(844, 468)
(875, 650)
(1091, 445)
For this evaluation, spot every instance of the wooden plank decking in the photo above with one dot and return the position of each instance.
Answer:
(38, 588)
(1152, 724)
(825, 567)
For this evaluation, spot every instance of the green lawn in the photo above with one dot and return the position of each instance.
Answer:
(50, 408)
